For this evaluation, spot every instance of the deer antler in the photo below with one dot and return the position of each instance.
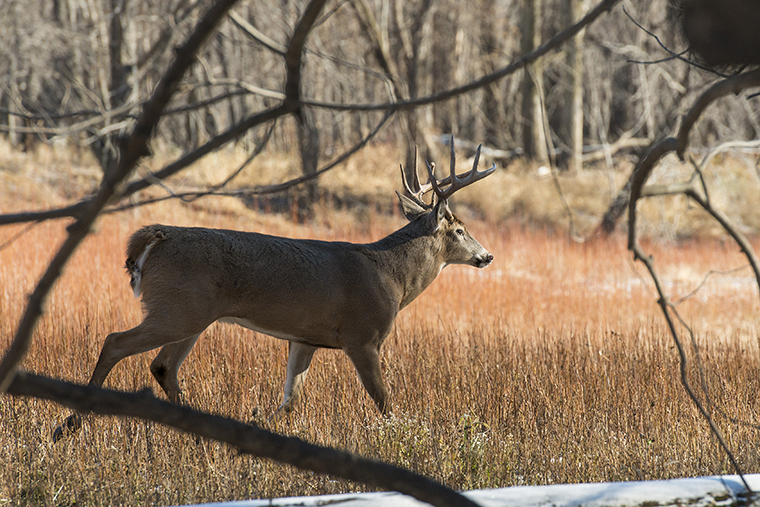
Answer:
(456, 182)
(419, 190)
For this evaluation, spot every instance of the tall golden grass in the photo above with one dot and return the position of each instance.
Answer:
(551, 366)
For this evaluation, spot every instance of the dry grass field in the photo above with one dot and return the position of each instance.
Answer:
(553, 365)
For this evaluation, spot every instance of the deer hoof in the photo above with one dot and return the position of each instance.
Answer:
(71, 426)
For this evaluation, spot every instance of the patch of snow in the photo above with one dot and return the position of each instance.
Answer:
(717, 491)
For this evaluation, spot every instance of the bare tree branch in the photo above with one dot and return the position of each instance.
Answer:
(673, 54)
(701, 284)
(247, 438)
(260, 190)
(638, 190)
(295, 50)
(211, 145)
(666, 307)
(734, 84)
(729, 227)
(625, 141)
(16, 236)
(638, 180)
(524, 60)
(688, 190)
(69, 130)
(256, 90)
(257, 35)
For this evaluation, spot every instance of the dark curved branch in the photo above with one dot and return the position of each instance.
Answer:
(639, 178)
(295, 50)
(733, 84)
(72, 211)
(247, 438)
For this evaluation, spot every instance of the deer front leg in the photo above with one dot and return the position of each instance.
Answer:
(366, 359)
(299, 359)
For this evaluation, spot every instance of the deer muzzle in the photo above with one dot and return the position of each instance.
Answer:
(483, 261)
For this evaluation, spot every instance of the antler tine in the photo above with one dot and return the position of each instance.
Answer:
(453, 160)
(419, 190)
(417, 185)
(433, 182)
(457, 182)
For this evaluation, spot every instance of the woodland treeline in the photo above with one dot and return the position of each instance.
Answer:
(79, 70)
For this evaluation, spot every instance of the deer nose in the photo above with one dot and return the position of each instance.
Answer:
(485, 260)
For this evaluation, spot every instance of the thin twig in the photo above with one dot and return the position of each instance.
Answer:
(704, 281)
(738, 237)
(574, 234)
(665, 306)
(16, 236)
(669, 51)
(260, 190)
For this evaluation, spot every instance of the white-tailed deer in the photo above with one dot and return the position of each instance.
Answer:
(312, 293)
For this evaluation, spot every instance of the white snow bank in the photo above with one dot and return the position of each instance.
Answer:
(698, 492)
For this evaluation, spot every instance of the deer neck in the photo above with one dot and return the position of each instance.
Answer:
(411, 258)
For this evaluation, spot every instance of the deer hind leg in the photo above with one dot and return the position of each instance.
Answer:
(166, 366)
(150, 334)
(117, 346)
(299, 359)
(366, 359)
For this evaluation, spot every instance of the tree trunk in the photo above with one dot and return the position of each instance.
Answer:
(534, 141)
(573, 112)
(308, 145)
(493, 125)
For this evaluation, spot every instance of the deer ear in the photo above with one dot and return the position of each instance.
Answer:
(441, 211)
(411, 209)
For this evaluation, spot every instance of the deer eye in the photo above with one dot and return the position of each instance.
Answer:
(460, 232)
